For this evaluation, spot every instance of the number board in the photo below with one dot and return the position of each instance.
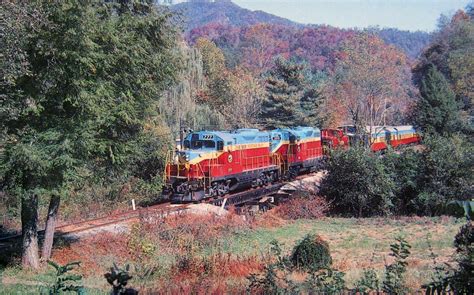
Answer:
(207, 136)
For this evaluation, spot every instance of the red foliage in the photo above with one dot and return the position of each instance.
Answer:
(91, 252)
(259, 44)
(304, 207)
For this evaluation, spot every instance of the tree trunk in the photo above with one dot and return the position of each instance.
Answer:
(29, 230)
(50, 226)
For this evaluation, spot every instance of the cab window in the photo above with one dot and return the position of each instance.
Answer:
(199, 144)
(220, 145)
(187, 144)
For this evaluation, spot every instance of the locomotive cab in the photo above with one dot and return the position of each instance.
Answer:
(215, 163)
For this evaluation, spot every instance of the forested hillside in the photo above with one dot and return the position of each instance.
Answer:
(198, 15)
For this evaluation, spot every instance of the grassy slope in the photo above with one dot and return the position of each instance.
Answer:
(360, 243)
(355, 244)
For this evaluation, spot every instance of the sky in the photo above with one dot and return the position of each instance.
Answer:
(409, 15)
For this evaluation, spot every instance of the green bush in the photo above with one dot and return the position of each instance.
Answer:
(311, 254)
(394, 280)
(65, 281)
(460, 279)
(325, 281)
(118, 278)
(368, 283)
(361, 183)
(358, 183)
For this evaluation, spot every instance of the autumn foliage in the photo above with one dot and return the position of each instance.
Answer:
(304, 207)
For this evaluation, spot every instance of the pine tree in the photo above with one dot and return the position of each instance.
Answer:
(285, 87)
(437, 110)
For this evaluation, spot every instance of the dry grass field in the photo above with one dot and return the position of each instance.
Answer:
(216, 254)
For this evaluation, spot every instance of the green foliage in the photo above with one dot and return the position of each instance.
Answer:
(451, 51)
(446, 174)
(290, 101)
(405, 169)
(437, 111)
(424, 182)
(81, 103)
(312, 257)
(460, 279)
(326, 281)
(66, 282)
(369, 282)
(311, 254)
(358, 183)
(118, 278)
(393, 282)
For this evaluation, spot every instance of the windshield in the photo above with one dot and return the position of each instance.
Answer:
(199, 144)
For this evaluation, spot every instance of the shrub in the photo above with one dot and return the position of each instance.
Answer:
(358, 184)
(394, 273)
(312, 254)
(312, 257)
(368, 283)
(447, 169)
(303, 207)
(459, 280)
(66, 282)
(118, 278)
(326, 281)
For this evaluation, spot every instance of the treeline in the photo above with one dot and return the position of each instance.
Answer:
(440, 175)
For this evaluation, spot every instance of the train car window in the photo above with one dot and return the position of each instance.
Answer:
(220, 145)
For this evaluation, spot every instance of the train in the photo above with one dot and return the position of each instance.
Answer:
(212, 164)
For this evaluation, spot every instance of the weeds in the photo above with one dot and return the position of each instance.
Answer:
(118, 278)
(394, 273)
(66, 282)
(304, 206)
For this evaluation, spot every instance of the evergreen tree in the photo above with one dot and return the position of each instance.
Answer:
(83, 104)
(290, 101)
(437, 111)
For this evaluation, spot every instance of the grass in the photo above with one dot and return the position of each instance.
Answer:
(355, 244)
(360, 243)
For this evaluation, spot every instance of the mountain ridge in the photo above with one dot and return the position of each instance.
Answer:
(200, 13)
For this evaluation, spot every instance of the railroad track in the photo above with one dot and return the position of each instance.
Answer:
(167, 208)
(97, 223)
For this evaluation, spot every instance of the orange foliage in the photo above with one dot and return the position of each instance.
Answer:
(303, 207)
(91, 252)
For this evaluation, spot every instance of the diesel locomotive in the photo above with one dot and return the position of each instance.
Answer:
(211, 164)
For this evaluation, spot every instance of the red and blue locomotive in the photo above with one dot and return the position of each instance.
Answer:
(215, 163)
